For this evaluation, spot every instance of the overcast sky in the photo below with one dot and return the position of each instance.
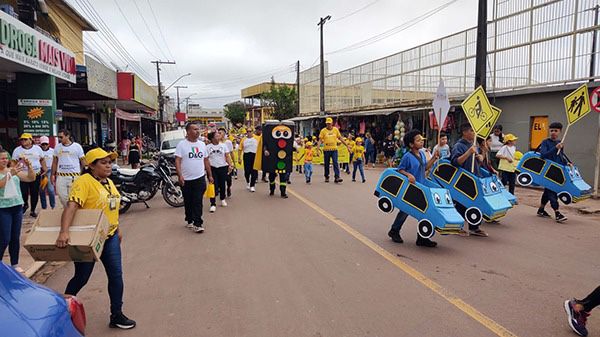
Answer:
(228, 45)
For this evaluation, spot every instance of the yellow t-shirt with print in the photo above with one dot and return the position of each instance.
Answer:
(89, 193)
(330, 138)
(358, 152)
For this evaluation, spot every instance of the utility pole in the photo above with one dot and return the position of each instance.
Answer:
(161, 103)
(178, 87)
(298, 88)
(481, 50)
(322, 91)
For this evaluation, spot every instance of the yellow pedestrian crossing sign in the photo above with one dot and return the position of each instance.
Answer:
(486, 130)
(577, 104)
(478, 109)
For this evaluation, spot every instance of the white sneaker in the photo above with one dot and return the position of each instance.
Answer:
(190, 226)
(252, 189)
(248, 187)
(223, 203)
(198, 229)
(212, 209)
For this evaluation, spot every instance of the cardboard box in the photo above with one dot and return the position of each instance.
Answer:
(88, 233)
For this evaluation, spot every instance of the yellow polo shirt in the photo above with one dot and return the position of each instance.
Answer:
(358, 152)
(89, 193)
(330, 138)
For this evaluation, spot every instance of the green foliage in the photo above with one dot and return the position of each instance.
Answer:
(235, 112)
(283, 98)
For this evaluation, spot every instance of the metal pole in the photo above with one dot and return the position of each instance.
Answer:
(481, 56)
(161, 106)
(597, 169)
(178, 102)
(298, 88)
(322, 66)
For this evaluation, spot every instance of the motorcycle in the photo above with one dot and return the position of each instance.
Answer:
(141, 185)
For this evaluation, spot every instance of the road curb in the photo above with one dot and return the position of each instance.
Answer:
(37, 265)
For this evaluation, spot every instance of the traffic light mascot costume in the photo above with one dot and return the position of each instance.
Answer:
(275, 152)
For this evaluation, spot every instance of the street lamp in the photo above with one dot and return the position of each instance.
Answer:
(187, 101)
(177, 80)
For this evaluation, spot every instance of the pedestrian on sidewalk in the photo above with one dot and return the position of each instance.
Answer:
(94, 190)
(413, 165)
(247, 152)
(552, 149)
(11, 205)
(223, 138)
(33, 153)
(46, 186)
(308, 158)
(67, 165)
(508, 164)
(358, 156)
(192, 165)
(330, 136)
(220, 166)
(579, 310)
(389, 149)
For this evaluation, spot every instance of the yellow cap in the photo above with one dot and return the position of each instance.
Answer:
(99, 153)
(328, 120)
(308, 144)
(510, 137)
(358, 139)
(26, 136)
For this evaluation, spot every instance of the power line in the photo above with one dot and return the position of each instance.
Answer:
(356, 11)
(148, 28)
(394, 30)
(160, 31)
(133, 30)
(287, 69)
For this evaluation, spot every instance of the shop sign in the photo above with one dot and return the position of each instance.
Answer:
(144, 94)
(24, 45)
(101, 79)
(36, 116)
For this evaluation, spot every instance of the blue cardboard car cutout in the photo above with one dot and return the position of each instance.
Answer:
(509, 196)
(482, 197)
(562, 179)
(31, 310)
(430, 204)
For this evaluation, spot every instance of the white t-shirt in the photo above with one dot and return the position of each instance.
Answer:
(48, 157)
(192, 156)
(68, 157)
(507, 152)
(496, 143)
(229, 145)
(33, 154)
(250, 144)
(444, 151)
(216, 154)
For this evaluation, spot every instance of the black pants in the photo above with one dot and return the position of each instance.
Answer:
(250, 173)
(31, 189)
(283, 179)
(591, 301)
(193, 191)
(550, 196)
(220, 177)
(509, 178)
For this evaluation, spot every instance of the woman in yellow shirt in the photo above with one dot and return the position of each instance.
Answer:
(93, 190)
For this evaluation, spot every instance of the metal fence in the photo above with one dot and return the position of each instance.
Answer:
(531, 43)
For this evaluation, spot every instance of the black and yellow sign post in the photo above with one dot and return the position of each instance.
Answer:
(577, 105)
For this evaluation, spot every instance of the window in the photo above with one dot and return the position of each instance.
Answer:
(392, 185)
(466, 185)
(445, 172)
(534, 164)
(555, 174)
(415, 197)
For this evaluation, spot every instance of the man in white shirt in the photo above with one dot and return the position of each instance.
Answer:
(49, 187)
(67, 165)
(31, 190)
(249, 146)
(191, 162)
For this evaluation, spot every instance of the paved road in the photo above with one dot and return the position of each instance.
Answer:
(320, 264)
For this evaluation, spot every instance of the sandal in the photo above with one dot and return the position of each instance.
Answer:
(19, 269)
(478, 232)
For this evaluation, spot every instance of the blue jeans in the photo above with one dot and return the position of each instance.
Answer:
(10, 232)
(308, 171)
(51, 194)
(328, 157)
(399, 221)
(358, 164)
(111, 259)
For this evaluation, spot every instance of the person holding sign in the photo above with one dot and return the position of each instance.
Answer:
(553, 149)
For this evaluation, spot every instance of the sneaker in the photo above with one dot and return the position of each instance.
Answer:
(33, 214)
(364, 181)
(326, 180)
(223, 203)
(338, 180)
(252, 189)
(353, 180)
(577, 319)
(248, 187)
(373, 165)
(284, 196)
(560, 217)
(198, 229)
(228, 192)
(272, 193)
(121, 321)
(542, 213)
(421, 242)
(189, 225)
(395, 236)
(212, 209)
(478, 232)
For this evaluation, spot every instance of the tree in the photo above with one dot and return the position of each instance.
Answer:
(235, 112)
(283, 98)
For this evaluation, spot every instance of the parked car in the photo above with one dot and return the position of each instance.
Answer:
(482, 197)
(509, 196)
(429, 203)
(566, 181)
(28, 309)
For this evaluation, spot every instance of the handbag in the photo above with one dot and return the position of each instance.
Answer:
(210, 191)
(10, 189)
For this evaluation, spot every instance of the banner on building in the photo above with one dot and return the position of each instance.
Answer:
(144, 94)
(101, 79)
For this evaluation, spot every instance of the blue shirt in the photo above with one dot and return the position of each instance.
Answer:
(460, 148)
(369, 146)
(410, 163)
(549, 151)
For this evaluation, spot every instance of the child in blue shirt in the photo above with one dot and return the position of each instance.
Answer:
(413, 165)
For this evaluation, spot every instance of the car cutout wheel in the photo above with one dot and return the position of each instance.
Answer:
(426, 229)
(565, 197)
(385, 205)
(524, 179)
(473, 216)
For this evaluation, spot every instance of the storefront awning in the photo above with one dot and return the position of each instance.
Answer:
(378, 112)
(124, 115)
